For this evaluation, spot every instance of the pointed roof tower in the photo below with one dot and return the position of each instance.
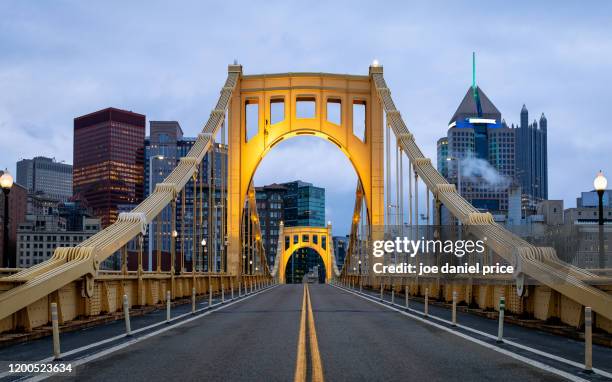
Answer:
(475, 103)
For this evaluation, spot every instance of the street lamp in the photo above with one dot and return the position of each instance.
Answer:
(6, 182)
(150, 251)
(601, 183)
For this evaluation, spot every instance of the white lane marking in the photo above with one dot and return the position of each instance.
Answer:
(518, 357)
(506, 340)
(115, 348)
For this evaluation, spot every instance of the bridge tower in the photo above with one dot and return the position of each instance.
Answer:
(286, 91)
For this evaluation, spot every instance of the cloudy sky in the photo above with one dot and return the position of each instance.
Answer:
(61, 59)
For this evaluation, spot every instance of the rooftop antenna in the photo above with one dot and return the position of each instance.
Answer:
(474, 73)
(474, 88)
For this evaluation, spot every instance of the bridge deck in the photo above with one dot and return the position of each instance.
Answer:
(257, 339)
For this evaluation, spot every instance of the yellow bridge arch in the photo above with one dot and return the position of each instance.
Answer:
(293, 238)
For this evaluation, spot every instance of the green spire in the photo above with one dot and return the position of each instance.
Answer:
(474, 73)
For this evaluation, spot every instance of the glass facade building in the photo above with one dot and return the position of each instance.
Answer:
(109, 160)
(164, 148)
(532, 160)
(295, 204)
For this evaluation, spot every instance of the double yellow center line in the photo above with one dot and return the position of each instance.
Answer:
(307, 319)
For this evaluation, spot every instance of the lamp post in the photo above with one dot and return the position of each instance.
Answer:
(150, 250)
(600, 183)
(6, 182)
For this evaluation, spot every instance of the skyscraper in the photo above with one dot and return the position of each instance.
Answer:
(532, 159)
(295, 203)
(479, 152)
(270, 207)
(41, 175)
(108, 160)
(164, 148)
(304, 204)
(442, 151)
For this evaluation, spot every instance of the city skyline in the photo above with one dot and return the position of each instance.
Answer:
(542, 55)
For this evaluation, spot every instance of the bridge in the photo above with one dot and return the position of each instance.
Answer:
(224, 268)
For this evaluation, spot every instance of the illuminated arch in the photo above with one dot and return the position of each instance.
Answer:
(244, 155)
(317, 238)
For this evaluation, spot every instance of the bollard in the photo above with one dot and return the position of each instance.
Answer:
(426, 310)
(381, 292)
(55, 325)
(209, 295)
(454, 308)
(168, 296)
(360, 285)
(239, 289)
(193, 302)
(232, 288)
(222, 291)
(500, 325)
(588, 339)
(251, 286)
(406, 294)
(393, 295)
(126, 315)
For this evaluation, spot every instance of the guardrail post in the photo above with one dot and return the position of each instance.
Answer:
(126, 315)
(588, 339)
(406, 295)
(193, 300)
(500, 324)
(209, 294)
(168, 296)
(426, 310)
(454, 308)
(55, 326)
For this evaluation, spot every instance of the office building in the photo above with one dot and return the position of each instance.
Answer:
(270, 208)
(442, 151)
(74, 212)
(38, 238)
(108, 160)
(532, 160)
(295, 203)
(304, 205)
(341, 244)
(590, 199)
(164, 147)
(479, 151)
(45, 176)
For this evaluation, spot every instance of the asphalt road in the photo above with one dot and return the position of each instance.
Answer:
(257, 340)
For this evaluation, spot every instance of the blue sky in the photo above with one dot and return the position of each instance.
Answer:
(61, 59)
